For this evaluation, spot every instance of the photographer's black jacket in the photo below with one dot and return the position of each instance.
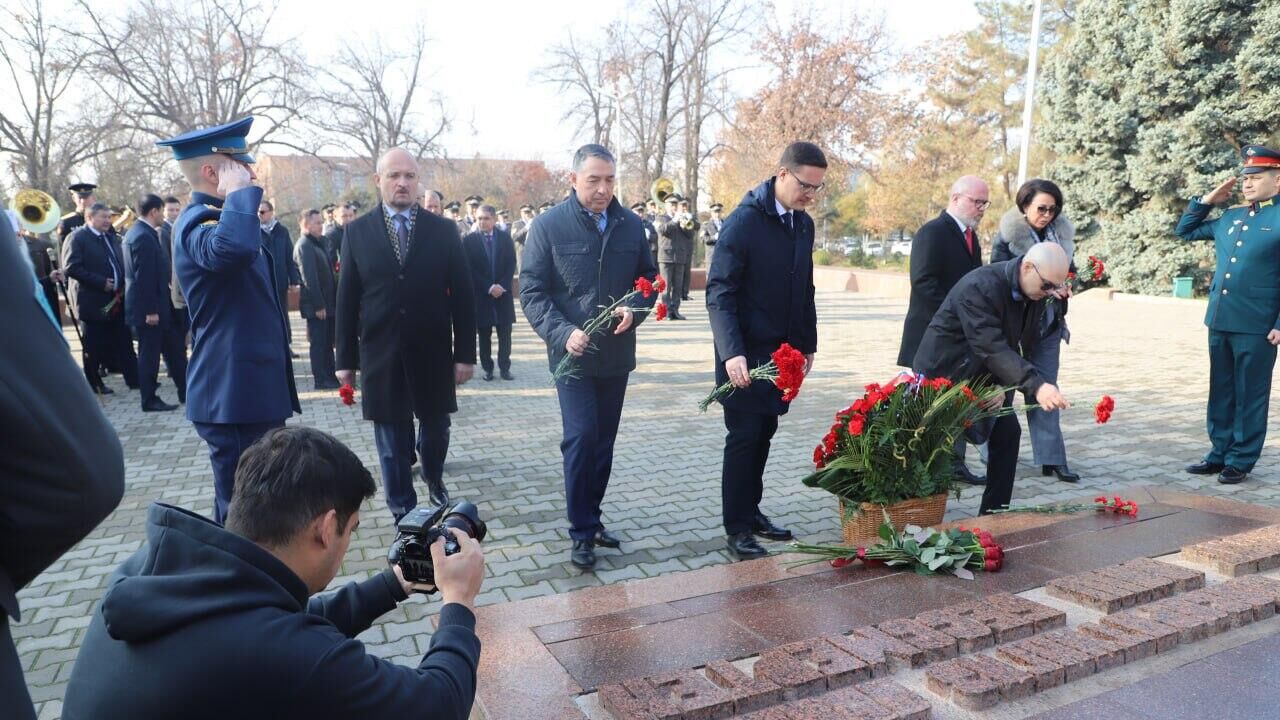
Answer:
(202, 623)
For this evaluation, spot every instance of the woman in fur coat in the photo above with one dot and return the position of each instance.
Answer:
(1038, 217)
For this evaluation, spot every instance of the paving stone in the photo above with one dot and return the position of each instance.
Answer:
(904, 704)
(696, 696)
(848, 706)
(1164, 636)
(748, 693)
(1262, 602)
(883, 650)
(1193, 622)
(978, 682)
(1076, 665)
(1239, 611)
(1105, 653)
(1242, 554)
(623, 705)
(797, 678)
(1135, 645)
(937, 646)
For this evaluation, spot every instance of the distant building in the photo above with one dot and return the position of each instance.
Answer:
(296, 182)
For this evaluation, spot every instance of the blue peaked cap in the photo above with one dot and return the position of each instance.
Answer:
(226, 139)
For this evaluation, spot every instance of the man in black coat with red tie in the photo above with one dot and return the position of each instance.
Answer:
(760, 294)
(407, 321)
(944, 250)
(491, 254)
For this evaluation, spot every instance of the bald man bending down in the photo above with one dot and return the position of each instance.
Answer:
(985, 326)
(406, 321)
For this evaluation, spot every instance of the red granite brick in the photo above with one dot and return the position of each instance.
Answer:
(873, 646)
(696, 696)
(660, 707)
(624, 705)
(797, 678)
(852, 706)
(838, 666)
(1044, 617)
(1046, 672)
(1261, 584)
(870, 653)
(936, 646)
(1105, 653)
(1076, 665)
(748, 693)
(1164, 636)
(1005, 626)
(1193, 622)
(1089, 592)
(905, 704)
(1185, 579)
(1262, 602)
(1136, 645)
(976, 682)
(770, 713)
(970, 635)
(1239, 611)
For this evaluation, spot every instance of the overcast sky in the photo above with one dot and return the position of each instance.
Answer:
(483, 53)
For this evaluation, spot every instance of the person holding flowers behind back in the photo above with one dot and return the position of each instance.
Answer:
(760, 295)
(1038, 218)
(583, 255)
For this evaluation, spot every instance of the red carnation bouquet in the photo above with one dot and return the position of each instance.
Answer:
(956, 551)
(347, 394)
(785, 370)
(1095, 274)
(568, 365)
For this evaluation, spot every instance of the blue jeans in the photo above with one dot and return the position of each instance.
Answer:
(1047, 446)
(226, 444)
(590, 411)
(395, 443)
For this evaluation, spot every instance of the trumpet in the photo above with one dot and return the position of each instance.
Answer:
(38, 212)
(686, 221)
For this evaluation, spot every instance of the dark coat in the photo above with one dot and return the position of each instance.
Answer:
(1015, 237)
(675, 243)
(175, 290)
(319, 283)
(983, 331)
(221, 628)
(570, 271)
(62, 469)
(284, 272)
(90, 264)
(149, 274)
(491, 311)
(760, 293)
(404, 327)
(333, 242)
(939, 258)
(241, 370)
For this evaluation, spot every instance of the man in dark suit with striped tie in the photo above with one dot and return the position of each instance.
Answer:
(149, 306)
(492, 256)
(96, 265)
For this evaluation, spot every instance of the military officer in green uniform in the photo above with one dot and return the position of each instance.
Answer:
(1244, 312)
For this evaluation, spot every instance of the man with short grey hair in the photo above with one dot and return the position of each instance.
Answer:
(585, 252)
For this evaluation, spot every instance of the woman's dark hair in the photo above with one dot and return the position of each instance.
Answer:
(289, 478)
(1034, 187)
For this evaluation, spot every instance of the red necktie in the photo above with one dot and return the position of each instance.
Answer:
(968, 239)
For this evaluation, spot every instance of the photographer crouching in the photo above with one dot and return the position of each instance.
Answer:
(213, 622)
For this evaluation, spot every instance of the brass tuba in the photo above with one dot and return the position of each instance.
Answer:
(660, 189)
(38, 212)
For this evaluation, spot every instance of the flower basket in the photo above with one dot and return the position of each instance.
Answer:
(859, 527)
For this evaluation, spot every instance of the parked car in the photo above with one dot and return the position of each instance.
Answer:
(901, 247)
(873, 247)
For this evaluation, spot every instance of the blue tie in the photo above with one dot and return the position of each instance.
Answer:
(402, 233)
(601, 221)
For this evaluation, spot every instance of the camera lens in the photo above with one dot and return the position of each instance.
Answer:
(466, 518)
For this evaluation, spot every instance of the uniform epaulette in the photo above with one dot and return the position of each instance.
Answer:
(1237, 207)
(71, 214)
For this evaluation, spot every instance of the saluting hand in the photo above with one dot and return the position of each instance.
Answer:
(233, 176)
(1220, 194)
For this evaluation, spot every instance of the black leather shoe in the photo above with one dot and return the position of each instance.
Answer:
(676, 316)
(967, 476)
(604, 538)
(1232, 476)
(767, 530)
(104, 390)
(488, 375)
(1205, 468)
(1062, 471)
(583, 555)
(744, 547)
(506, 375)
(158, 405)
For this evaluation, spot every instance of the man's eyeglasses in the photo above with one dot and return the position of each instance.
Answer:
(1045, 285)
(806, 186)
(1047, 209)
(980, 204)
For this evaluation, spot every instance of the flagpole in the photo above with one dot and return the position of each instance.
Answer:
(1033, 51)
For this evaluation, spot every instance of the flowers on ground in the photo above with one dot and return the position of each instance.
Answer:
(785, 370)
(1114, 504)
(957, 551)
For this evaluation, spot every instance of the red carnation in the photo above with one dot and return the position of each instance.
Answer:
(790, 363)
(991, 565)
(659, 284)
(337, 266)
(819, 457)
(348, 394)
(840, 562)
(856, 425)
(644, 286)
(862, 554)
(1102, 411)
(660, 311)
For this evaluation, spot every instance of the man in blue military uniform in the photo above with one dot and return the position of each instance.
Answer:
(1244, 312)
(240, 378)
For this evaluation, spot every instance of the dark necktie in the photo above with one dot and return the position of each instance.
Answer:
(402, 233)
(488, 250)
(968, 238)
(786, 220)
(111, 259)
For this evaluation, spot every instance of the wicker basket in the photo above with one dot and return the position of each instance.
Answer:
(864, 527)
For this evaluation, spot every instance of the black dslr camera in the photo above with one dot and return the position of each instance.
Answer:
(419, 529)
